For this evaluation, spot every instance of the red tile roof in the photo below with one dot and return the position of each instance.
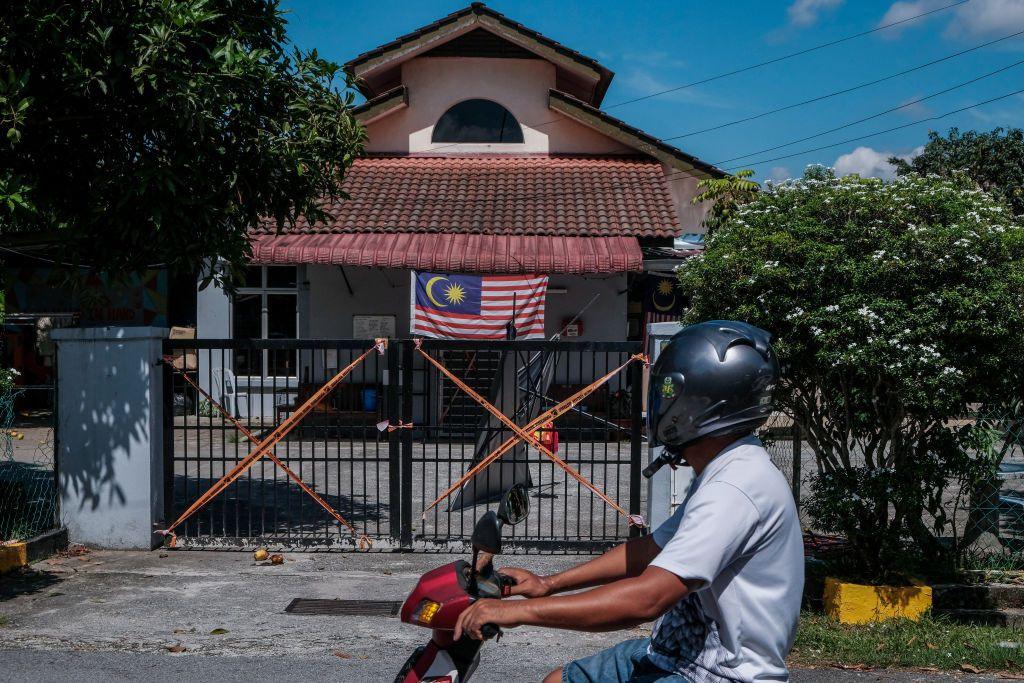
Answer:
(455, 253)
(501, 195)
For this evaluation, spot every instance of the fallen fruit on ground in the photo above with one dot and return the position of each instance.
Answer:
(277, 559)
(260, 554)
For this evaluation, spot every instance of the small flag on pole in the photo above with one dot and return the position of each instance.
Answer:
(449, 306)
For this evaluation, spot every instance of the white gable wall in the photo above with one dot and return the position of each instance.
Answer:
(520, 85)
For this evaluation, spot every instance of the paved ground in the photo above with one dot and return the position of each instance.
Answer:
(121, 616)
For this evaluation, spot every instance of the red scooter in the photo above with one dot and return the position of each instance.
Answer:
(442, 594)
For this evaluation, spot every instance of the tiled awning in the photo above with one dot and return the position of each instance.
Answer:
(454, 253)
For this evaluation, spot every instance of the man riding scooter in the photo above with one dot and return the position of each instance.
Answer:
(724, 575)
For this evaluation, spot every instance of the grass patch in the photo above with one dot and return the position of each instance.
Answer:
(931, 642)
(5, 621)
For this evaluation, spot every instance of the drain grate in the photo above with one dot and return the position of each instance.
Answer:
(364, 608)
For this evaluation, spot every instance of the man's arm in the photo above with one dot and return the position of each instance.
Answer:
(621, 604)
(629, 559)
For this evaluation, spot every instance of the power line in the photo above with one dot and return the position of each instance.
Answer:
(850, 124)
(789, 56)
(844, 91)
(881, 132)
(740, 70)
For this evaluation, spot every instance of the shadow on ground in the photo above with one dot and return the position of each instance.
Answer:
(26, 582)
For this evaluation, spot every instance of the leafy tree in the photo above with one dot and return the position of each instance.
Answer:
(995, 161)
(725, 195)
(138, 132)
(895, 307)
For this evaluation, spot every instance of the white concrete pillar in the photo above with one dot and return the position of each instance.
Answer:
(110, 434)
(667, 489)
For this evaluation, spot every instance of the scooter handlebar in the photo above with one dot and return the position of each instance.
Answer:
(664, 459)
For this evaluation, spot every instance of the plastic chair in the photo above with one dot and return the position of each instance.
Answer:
(225, 390)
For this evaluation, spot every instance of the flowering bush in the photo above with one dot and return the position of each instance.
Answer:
(7, 377)
(895, 306)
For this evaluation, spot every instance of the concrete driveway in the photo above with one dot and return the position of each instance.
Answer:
(159, 616)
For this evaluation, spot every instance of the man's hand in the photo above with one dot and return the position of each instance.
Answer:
(484, 611)
(527, 583)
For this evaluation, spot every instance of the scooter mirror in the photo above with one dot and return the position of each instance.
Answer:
(487, 533)
(514, 505)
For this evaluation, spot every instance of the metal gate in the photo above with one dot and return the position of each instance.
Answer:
(381, 480)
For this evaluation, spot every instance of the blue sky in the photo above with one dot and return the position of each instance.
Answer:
(652, 46)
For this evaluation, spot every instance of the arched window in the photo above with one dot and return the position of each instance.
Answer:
(477, 121)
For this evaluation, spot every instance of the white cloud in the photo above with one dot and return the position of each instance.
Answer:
(914, 108)
(870, 163)
(806, 12)
(656, 59)
(643, 83)
(905, 9)
(779, 173)
(987, 18)
(976, 19)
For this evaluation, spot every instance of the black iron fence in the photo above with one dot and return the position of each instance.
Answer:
(392, 437)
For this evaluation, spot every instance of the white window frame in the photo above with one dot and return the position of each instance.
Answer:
(262, 291)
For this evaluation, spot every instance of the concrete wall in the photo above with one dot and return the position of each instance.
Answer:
(519, 85)
(109, 419)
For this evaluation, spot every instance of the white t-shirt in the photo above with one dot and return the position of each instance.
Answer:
(737, 532)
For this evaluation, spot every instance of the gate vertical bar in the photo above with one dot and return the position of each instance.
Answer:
(407, 434)
(635, 441)
(394, 445)
(168, 417)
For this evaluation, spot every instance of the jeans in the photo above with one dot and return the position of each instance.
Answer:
(625, 663)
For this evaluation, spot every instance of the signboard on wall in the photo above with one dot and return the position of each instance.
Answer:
(373, 326)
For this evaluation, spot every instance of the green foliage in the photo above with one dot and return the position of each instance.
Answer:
(157, 131)
(895, 307)
(995, 161)
(931, 642)
(725, 195)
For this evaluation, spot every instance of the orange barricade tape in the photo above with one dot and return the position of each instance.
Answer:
(525, 433)
(264, 446)
(277, 461)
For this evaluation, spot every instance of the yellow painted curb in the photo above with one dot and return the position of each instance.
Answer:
(13, 556)
(854, 603)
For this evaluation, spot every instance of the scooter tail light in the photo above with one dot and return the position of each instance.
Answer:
(425, 612)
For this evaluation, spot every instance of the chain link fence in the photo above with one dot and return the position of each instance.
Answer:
(28, 487)
(986, 516)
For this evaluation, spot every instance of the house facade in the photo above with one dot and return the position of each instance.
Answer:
(487, 153)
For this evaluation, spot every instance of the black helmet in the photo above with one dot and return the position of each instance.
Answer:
(712, 379)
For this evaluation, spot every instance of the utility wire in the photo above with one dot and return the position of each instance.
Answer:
(785, 57)
(881, 113)
(844, 91)
(881, 132)
(740, 70)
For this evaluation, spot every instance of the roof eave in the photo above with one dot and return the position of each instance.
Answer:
(453, 25)
(385, 104)
(619, 130)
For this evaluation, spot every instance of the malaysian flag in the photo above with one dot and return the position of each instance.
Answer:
(478, 306)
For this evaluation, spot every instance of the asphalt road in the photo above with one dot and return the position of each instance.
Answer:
(220, 617)
(35, 666)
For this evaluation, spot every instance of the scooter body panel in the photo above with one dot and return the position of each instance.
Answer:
(445, 586)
